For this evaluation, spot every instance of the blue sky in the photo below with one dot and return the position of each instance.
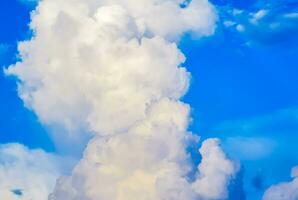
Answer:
(244, 87)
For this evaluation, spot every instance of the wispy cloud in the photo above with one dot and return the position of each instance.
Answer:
(262, 142)
(267, 23)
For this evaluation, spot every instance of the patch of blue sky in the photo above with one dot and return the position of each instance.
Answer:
(18, 124)
(17, 192)
(264, 145)
(244, 89)
(270, 22)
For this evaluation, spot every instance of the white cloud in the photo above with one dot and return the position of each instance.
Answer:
(112, 68)
(264, 23)
(27, 174)
(228, 23)
(150, 158)
(237, 12)
(284, 191)
(214, 172)
(255, 17)
(240, 28)
(80, 84)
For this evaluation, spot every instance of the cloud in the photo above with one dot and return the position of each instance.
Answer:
(269, 23)
(215, 171)
(158, 173)
(27, 174)
(285, 191)
(97, 38)
(112, 70)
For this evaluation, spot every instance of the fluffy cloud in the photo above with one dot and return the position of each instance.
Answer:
(112, 68)
(27, 174)
(94, 77)
(285, 191)
(135, 165)
(215, 171)
(98, 37)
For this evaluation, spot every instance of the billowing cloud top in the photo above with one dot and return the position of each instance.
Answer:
(94, 76)
(111, 67)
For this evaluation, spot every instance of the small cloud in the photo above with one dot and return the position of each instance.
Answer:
(229, 23)
(240, 28)
(237, 12)
(267, 24)
(258, 16)
(293, 15)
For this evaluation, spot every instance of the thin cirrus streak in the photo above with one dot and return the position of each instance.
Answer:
(112, 67)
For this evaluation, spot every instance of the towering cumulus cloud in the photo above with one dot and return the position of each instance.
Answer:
(112, 68)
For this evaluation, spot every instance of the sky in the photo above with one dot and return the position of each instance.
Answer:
(243, 90)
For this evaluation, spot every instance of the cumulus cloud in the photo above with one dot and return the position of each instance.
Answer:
(101, 41)
(112, 68)
(160, 174)
(27, 174)
(286, 190)
(87, 34)
(214, 171)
